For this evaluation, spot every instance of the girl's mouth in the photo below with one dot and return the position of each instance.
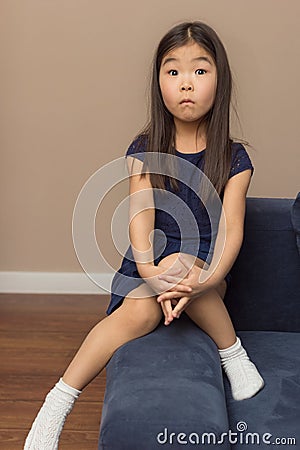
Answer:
(186, 100)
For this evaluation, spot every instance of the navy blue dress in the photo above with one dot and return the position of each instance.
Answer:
(176, 214)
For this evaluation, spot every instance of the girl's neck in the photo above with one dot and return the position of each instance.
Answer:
(190, 137)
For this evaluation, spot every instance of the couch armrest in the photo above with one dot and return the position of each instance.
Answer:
(169, 381)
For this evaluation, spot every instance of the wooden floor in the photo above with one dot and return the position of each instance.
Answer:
(39, 336)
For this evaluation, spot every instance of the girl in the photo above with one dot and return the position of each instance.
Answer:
(190, 104)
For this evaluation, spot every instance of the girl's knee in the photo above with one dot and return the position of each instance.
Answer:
(169, 260)
(142, 313)
(173, 261)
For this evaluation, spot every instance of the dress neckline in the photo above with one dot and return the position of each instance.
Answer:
(190, 154)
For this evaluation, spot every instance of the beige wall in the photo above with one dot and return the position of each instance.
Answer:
(73, 83)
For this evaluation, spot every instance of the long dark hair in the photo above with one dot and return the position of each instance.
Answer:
(159, 133)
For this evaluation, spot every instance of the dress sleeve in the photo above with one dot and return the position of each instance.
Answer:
(240, 160)
(137, 149)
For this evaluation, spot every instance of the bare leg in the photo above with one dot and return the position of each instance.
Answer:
(134, 318)
(210, 314)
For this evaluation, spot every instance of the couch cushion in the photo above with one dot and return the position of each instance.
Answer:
(276, 409)
(169, 381)
(265, 289)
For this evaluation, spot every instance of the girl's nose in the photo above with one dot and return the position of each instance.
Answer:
(186, 87)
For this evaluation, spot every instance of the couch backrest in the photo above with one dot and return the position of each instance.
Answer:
(265, 289)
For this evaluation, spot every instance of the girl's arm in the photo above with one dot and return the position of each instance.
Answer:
(141, 215)
(141, 226)
(234, 208)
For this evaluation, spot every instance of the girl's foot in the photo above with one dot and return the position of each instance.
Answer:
(48, 424)
(242, 374)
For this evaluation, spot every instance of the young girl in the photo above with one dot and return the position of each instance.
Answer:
(190, 104)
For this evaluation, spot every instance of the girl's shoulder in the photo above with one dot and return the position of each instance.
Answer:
(137, 147)
(240, 159)
(238, 147)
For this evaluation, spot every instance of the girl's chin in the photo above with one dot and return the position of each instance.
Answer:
(187, 119)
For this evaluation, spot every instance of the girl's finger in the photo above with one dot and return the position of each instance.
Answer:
(168, 296)
(171, 287)
(181, 288)
(167, 310)
(170, 278)
(163, 307)
(180, 307)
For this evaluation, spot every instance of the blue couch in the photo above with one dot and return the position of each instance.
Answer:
(167, 390)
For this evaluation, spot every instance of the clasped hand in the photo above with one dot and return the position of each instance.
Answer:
(185, 287)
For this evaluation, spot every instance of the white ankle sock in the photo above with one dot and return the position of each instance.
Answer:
(48, 424)
(242, 374)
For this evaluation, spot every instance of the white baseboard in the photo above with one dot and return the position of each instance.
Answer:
(53, 283)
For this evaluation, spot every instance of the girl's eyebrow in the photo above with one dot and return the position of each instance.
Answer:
(199, 58)
(203, 58)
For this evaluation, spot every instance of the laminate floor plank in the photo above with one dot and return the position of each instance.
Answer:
(28, 388)
(37, 339)
(84, 417)
(27, 312)
(13, 439)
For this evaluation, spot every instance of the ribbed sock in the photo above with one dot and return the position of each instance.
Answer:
(242, 374)
(48, 424)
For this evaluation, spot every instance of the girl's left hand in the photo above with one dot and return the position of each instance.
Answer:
(191, 280)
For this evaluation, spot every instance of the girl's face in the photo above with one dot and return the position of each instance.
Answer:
(188, 81)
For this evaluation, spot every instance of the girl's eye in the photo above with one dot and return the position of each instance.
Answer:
(173, 72)
(200, 72)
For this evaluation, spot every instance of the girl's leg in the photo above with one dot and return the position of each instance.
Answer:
(210, 314)
(134, 318)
